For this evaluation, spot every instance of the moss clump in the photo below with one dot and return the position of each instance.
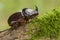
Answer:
(47, 25)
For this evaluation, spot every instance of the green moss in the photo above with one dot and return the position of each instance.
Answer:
(47, 25)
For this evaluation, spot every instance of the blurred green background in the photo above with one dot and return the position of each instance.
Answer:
(8, 7)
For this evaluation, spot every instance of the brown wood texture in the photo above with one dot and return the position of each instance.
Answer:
(17, 34)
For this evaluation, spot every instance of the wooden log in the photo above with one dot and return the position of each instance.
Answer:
(17, 34)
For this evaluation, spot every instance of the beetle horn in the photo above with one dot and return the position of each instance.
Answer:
(36, 8)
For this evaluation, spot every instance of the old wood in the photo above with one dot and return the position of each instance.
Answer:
(17, 34)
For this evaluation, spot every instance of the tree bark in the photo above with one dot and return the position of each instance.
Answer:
(17, 34)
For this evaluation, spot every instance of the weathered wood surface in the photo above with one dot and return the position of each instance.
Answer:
(17, 34)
